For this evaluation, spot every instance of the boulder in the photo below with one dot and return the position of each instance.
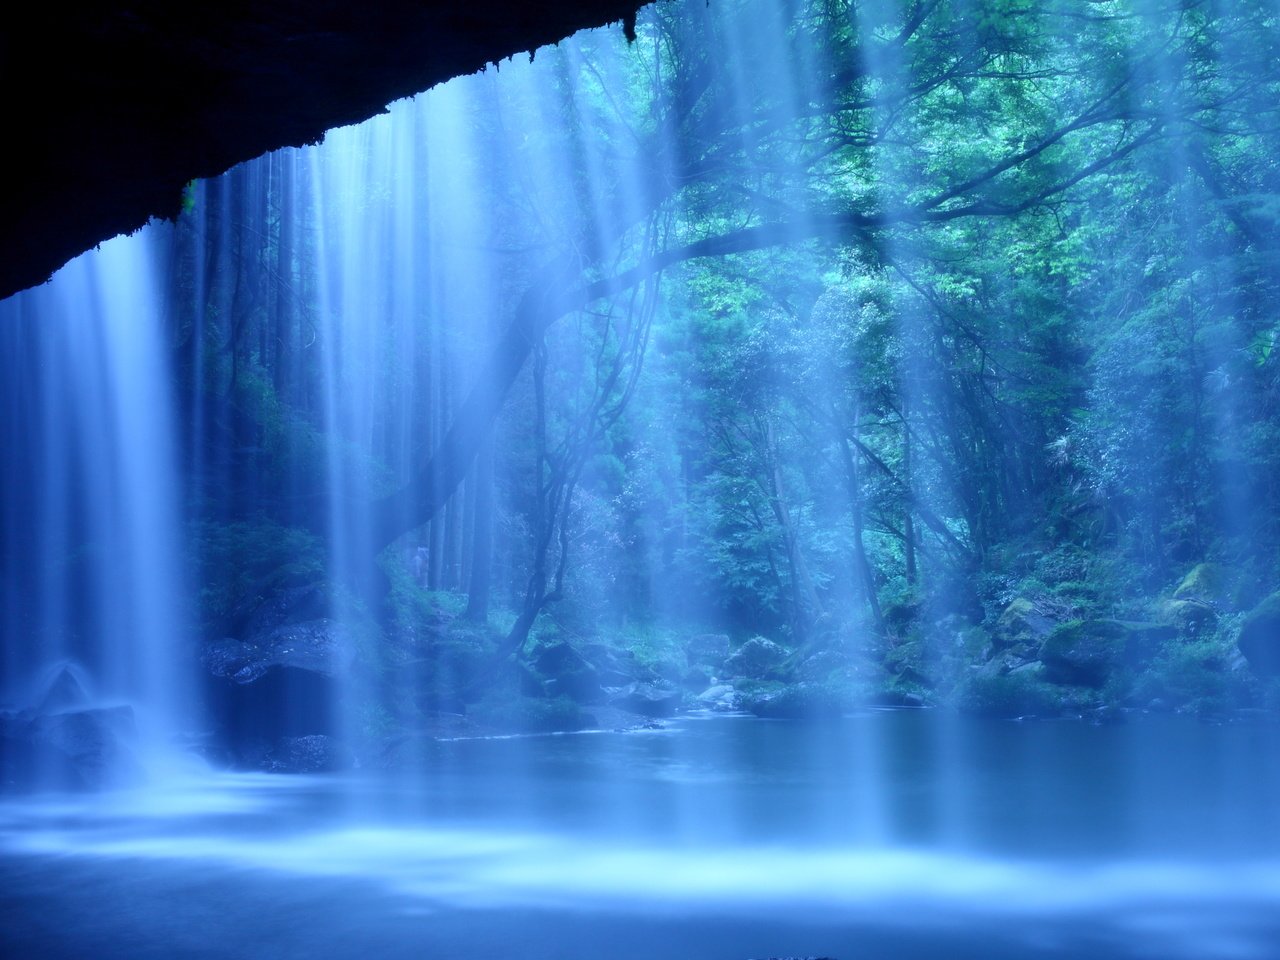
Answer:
(755, 659)
(1207, 583)
(567, 672)
(800, 701)
(281, 684)
(289, 605)
(64, 688)
(314, 646)
(614, 668)
(647, 699)
(1259, 639)
(696, 679)
(315, 753)
(84, 749)
(721, 697)
(1085, 652)
(988, 692)
(670, 668)
(1188, 616)
(1137, 640)
(894, 696)
(1080, 654)
(1023, 623)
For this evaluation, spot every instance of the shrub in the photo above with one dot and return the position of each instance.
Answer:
(1020, 694)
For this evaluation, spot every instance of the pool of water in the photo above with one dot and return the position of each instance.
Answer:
(891, 834)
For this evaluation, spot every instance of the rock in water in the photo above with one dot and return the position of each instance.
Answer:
(66, 689)
(800, 701)
(276, 685)
(313, 646)
(1260, 637)
(568, 673)
(1086, 652)
(720, 697)
(316, 753)
(75, 749)
(647, 699)
(755, 659)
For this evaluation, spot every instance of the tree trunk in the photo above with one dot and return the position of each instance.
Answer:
(479, 584)
(908, 518)
(805, 604)
(861, 563)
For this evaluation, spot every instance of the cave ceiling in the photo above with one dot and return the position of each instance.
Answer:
(115, 107)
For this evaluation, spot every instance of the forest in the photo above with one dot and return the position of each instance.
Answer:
(925, 357)
(794, 357)
(778, 478)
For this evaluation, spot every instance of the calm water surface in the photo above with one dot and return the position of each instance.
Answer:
(885, 835)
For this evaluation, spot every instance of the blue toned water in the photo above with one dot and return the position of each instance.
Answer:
(891, 834)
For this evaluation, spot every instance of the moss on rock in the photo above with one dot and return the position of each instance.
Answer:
(1023, 623)
(1207, 583)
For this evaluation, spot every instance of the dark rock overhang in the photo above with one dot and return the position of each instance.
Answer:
(113, 108)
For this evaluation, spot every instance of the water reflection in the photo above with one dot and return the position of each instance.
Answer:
(1027, 830)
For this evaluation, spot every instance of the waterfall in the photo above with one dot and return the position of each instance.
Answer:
(95, 594)
(732, 493)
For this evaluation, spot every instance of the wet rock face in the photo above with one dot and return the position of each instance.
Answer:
(314, 646)
(316, 753)
(289, 606)
(277, 685)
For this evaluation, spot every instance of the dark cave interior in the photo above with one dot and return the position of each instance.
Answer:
(115, 108)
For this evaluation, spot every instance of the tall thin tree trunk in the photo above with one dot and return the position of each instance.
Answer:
(908, 520)
(862, 564)
(806, 606)
(482, 537)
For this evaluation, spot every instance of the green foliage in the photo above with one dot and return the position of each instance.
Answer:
(1191, 676)
(417, 613)
(1008, 695)
(807, 700)
(245, 562)
(1010, 347)
(661, 649)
